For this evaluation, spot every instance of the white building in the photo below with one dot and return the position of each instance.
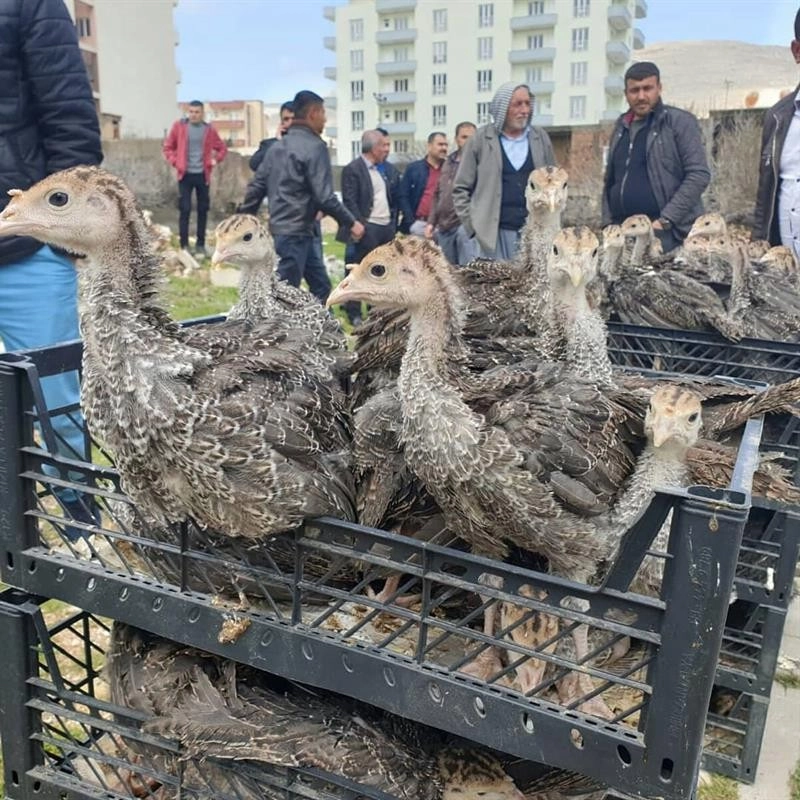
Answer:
(129, 50)
(416, 66)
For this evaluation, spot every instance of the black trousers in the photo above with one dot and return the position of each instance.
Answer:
(374, 236)
(193, 181)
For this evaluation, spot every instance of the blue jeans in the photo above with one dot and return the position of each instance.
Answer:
(301, 257)
(458, 248)
(39, 307)
(506, 247)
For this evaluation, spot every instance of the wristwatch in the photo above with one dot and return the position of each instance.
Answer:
(665, 223)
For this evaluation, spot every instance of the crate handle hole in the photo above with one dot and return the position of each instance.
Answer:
(10, 559)
(32, 567)
(37, 785)
(346, 663)
(667, 766)
(527, 723)
(91, 585)
(624, 755)
(14, 777)
(576, 737)
(480, 708)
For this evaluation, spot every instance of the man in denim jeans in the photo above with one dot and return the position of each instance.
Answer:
(48, 122)
(296, 177)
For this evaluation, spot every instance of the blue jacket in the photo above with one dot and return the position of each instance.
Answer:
(412, 187)
(48, 119)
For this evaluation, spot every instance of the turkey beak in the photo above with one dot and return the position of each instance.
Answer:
(218, 257)
(340, 294)
(552, 202)
(11, 225)
(575, 275)
(662, 432)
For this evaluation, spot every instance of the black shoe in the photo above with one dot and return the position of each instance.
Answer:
(84, 510)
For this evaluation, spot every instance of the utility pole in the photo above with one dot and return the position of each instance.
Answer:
(728, 84)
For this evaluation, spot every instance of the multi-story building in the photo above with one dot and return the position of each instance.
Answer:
(129, 51)
(240, 123)
(415, 66)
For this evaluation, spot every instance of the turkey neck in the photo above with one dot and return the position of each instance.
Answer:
(639, 249)
(256, 293)
(612, 259)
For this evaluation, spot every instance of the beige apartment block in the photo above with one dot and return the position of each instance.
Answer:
(417, 66)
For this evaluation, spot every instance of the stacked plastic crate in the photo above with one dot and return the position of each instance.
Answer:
(307, 617)
(768, 555)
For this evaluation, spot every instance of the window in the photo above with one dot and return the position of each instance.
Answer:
(485, 48)
(400, 145)
(355, 148)
(356, 90)
(356, 30)
(356, 60)
(401, 23)
(580, 8)
(484, 80)
(580, 39)
(577, 107)
(536, 8)
(483, 113)
(536, 42)
(486, 15)
(533, 75)
(401, 85)
(357, 119)
(401, 115)
(440, 52)
(401, 54)
(440, 83)
(537, 106)
(439, 20)
(440, 115)
(84, 25)
(578, 72)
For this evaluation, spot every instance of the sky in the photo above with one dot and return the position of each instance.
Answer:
(269, 49)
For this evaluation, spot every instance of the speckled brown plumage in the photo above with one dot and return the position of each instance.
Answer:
(184, 412)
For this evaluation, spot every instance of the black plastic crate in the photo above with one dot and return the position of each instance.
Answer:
(734, 732)
(309, 619)
(62, 737)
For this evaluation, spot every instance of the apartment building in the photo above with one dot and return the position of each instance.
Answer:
(129, 51)
(415, 66)
(240, 123)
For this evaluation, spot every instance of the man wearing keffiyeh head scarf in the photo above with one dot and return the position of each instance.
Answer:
(489, 190)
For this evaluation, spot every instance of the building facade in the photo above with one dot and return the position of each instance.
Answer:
(240, 123)
(129, 51)
(416, 66)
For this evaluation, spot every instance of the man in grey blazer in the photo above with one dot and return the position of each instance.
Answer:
(489, 190)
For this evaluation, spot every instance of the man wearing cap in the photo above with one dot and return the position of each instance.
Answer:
(656, 161)
(489, 189)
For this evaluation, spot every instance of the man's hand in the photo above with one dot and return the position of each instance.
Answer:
(429, 231)
(657, 226)
(357, 231)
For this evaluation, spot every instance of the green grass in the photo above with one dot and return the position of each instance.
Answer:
(794, 783)
(719, 788)
(331, 247)
(196, 297)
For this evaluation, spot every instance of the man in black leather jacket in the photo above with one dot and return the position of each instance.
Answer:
(48, 122)
(296, 177)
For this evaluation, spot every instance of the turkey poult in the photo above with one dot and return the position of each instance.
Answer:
(223, 714)
(184, 412)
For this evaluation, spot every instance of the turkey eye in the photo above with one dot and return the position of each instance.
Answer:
(693, 417)
(564, 185)
(594, 252)
(377, 270)
(247, 237)
(555, 250)
(58, 199)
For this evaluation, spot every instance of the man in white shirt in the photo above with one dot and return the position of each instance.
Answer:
(777, 216)
(368, 196)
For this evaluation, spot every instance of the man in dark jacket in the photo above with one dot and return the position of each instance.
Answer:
(48, 122)
(777, 217)
(296, 177)
(656, 161)
(286, 117)
(418, 185)
(366, 192)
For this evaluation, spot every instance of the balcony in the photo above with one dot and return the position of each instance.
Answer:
(391, 6)
(331, 131)
(539, 54)
(534, 22)
(330, 102)
(618, 52)
(330, 73)
(395, 67)
(542, 120)
(542, 87)
(329, 13)
(638, 39)
(614, 84)
(397, 98)
(641, 9)
(619, 18)
(399, 128)
(329, 42)
(402, 36)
